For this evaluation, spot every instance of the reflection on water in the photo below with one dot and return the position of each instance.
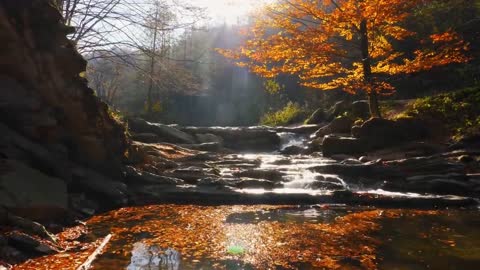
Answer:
(276, 237)
(153, 257)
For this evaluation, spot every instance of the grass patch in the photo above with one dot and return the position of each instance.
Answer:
(290, 114)
(458, 111)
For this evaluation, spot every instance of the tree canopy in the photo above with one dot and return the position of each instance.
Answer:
(344, 44)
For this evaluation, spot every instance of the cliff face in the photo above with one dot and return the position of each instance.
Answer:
(43, 95)
(49, 119)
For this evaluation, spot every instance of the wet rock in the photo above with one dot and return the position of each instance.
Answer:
(338, 109)
(368, 170)
(467, 142)
(236, 161)
(255, 183)
(319, 116)
(146, 137)
(466, 159)
(333, 145)
(452, 176)
(81, 204)
(112, 193)
(211, 146)
(159, 164)
(340, 157)
(166, 133)
(209, 138)
(12, 253)
(439, 186)
(217, 182)
(314, 145)
(351, 161)
(326, 185)
(31, 226)
(137, 177)
(27, 243)
(426, 165)
(283, 161)
(242, 138)
(360, 109)
(297, 130)
(340, 125)
(261, 174)
(292, 150)
(31, 193)
(379, 133)
(364, 159)
(192, 175)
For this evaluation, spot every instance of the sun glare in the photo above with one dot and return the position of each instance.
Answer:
(229, 11)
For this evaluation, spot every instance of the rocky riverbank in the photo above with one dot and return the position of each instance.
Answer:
(206, 166)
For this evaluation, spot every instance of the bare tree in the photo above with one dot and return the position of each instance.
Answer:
(105, 77)
(103, 26)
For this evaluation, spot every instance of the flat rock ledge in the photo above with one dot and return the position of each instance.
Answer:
(211, 197)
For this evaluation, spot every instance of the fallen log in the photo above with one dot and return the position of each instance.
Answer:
(88, 263)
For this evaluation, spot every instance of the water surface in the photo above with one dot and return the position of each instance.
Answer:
(282, 237)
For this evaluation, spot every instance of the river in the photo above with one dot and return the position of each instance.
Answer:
(319, 236)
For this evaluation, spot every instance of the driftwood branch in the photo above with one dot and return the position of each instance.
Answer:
(88, 263)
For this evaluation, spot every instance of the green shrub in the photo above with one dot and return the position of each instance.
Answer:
(291, 113)
(458, 111)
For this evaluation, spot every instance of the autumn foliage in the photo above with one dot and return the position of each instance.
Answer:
(343, 44)
(205, 235)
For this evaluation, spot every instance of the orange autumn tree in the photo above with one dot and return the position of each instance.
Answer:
(342, 44)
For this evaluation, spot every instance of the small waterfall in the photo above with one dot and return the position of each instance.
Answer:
(291, 139)
(298, 178)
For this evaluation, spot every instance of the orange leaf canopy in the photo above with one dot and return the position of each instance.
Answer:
(320, 41)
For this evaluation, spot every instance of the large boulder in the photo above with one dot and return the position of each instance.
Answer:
(209, 138)
(339, 125)
(165, 133)
(30, 193)
(319, 116)
(378, 133)
(338, 109)
(242, 138)
(107, 191)
(360, 109)
(333, 145)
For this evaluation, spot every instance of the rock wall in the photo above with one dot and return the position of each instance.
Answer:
(49, 119)
(43, 95)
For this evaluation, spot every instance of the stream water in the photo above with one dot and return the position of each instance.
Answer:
(265, 237)
(174, 237)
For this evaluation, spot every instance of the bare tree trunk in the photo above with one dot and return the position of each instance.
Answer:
(367, 70)
(152, 64)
